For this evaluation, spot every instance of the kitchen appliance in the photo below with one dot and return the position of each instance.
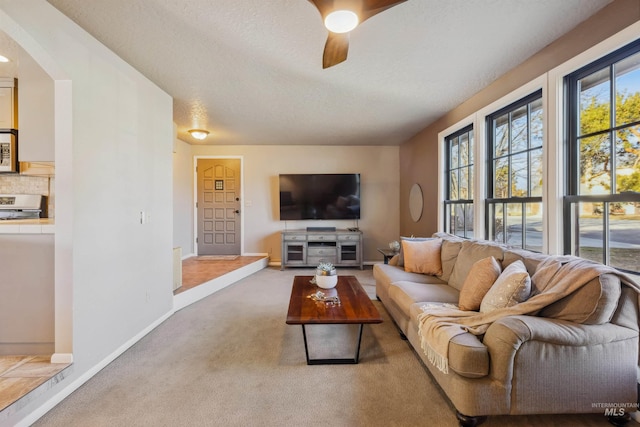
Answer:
(22, 206)
(9, 151)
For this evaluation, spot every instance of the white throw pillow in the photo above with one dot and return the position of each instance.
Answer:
(513, 286)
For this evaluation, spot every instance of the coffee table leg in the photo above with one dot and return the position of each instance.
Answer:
(339, 361)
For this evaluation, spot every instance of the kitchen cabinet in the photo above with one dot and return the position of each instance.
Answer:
(36, 112)
(8, 111)
(27, 311)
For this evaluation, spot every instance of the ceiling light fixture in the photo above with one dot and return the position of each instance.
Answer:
(4, 59)
(341, 21)
(199, 133)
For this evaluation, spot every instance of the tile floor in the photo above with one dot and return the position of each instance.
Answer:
(20, 375)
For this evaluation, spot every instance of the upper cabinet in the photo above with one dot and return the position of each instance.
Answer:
(35, 113)
(8, 111)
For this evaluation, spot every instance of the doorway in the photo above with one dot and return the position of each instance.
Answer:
(218, 216)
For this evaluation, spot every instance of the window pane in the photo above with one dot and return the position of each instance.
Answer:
(448, 222)
(514, 224)
(628, 90)
(519, 136)
(534, 227)
(453, 185)
(536, 124)
(464, 183)
(628, 160)
(624, 244)
(536, 173)
(470, 174)
(453, 155)
(468, 212)
(501, 180)
(594, 101)
(470, 147)
(590, 231)
(501, 135)
(595, 164)
(496, 232)
(519, 175)
(464, 150)
(459, 220)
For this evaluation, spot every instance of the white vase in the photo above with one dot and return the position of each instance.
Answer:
(326, 279)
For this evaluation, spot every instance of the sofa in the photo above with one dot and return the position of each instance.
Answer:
(578, 354)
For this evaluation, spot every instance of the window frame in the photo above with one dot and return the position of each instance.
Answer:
(448, 203)
(571, 150)
(490, 200)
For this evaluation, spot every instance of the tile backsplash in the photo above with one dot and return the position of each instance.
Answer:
(25, 184)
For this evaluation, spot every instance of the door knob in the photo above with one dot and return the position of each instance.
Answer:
(237, 211)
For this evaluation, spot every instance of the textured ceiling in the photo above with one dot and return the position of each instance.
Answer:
(250, 71)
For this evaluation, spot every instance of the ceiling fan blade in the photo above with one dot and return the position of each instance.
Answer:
(373, 7)
(335, 50)
(324, 6)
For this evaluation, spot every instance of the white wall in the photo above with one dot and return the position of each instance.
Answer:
(114, 139)
(379, 169)
(183, 197)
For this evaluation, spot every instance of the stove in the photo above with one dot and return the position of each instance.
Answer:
(22, 206)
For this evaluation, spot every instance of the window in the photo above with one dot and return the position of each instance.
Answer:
(602, 202)
(515, 175)
(458, 202)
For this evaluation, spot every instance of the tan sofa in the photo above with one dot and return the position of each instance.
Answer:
(575, 356)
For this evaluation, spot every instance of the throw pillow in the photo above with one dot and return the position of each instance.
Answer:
(513, 286)
(481, 277)
(411, 239)
(422, 257)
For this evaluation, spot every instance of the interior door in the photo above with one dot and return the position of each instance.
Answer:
(218, 206)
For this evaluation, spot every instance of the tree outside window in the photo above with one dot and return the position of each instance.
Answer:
(458, 202)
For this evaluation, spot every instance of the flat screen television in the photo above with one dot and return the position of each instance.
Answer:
(319, 196)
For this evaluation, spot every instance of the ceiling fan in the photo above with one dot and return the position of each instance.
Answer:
(342, 16)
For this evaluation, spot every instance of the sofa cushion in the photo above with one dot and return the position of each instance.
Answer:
(471, 252)
(400, 261)
(422, 257)
(481, 277)
(512, 287)
(530, 259)
(404, 294)
(468, 356)
(593, 304)
(451, 246)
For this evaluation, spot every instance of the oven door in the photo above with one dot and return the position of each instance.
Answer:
(8, 151)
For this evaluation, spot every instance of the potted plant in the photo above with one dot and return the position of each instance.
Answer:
(326, 275)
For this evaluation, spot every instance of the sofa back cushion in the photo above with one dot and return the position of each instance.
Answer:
(593, 304)
(451, 246)
(530, 259)
(471, 252)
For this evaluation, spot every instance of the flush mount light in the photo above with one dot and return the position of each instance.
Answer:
(341, 21)
(199, 133)
(4, 59)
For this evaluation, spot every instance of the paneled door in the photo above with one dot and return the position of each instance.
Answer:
(218, 206)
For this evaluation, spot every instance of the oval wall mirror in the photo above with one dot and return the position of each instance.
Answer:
(415, 202)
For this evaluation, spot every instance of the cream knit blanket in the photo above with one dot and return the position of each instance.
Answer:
(554, 279)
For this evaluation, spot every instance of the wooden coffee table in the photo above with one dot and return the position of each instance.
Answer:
(355, 308)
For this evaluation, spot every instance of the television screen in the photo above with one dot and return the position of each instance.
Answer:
(319, 196)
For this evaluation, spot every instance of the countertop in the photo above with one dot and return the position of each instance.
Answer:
(28, 226)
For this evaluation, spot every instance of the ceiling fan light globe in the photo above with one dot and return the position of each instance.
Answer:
(341, 21)
(199, 133)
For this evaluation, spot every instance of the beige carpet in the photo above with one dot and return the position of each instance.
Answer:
(230, 360)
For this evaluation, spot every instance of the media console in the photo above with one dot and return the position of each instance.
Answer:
(307, 248)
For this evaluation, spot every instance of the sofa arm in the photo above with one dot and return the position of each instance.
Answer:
(505, 337)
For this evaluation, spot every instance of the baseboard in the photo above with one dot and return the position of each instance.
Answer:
(65, 392)
(62, 358)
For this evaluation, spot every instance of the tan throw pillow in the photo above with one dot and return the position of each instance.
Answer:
(422, 257)
(513, 286)
(481, 277)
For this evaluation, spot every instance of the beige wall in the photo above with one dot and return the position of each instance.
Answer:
(419, 155)
(377, 165)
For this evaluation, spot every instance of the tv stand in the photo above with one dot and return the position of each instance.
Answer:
(308, 248)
